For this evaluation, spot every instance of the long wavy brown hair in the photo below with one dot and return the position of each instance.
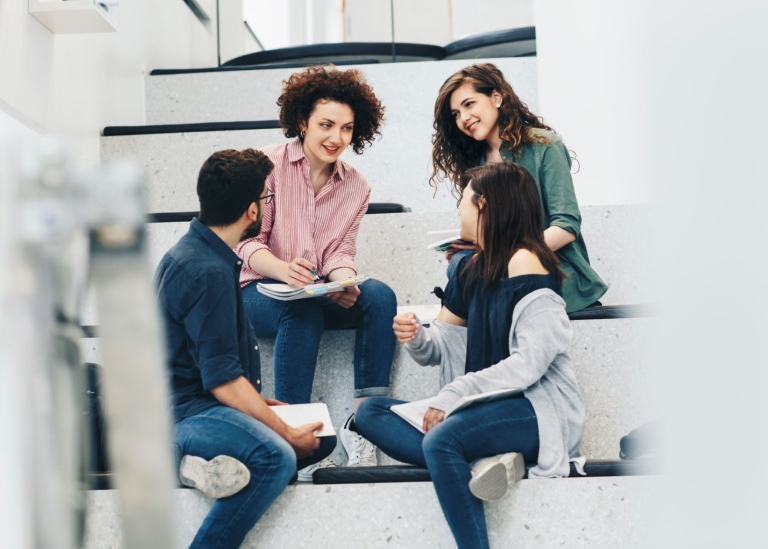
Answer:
(453, 152)
(510, 220)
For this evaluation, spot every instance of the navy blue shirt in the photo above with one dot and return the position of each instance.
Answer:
(489, 313)
(209, 339)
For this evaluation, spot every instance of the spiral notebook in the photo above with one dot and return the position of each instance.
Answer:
(284, 292)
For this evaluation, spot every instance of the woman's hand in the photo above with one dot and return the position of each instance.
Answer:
(347, 298)
(456, 246)
(405, 327)
(275, 402)
(432, 418)
(298, 272)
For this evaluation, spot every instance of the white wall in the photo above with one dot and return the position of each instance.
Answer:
(74, 85)
(472, 17)
(668, 100)
(592, 69)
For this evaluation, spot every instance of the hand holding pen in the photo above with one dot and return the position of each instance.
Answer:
(300, 272)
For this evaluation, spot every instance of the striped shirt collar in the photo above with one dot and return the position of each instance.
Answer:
(296, 153)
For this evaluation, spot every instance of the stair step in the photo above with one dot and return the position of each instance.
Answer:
(583, 512)
(251, 94)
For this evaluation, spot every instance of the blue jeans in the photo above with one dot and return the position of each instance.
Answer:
(299, 326)
(222, 430)
(454, 263)
(446, 450)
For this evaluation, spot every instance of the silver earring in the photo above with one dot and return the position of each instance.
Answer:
(302, 134)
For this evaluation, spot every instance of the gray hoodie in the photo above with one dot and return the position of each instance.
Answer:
(538, 362)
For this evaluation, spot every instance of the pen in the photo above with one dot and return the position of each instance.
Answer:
(314, 274)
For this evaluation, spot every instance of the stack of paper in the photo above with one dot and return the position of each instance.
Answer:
(284, 292)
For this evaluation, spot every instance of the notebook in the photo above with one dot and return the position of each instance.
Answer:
(413, 412)
(284, 292)
(297, 415)
(447, 237)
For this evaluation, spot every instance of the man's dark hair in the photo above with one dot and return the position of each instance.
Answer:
(229, 182)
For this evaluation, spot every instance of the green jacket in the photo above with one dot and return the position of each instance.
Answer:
(550, 165)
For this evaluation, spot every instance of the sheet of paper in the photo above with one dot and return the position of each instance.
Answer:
(296, 415)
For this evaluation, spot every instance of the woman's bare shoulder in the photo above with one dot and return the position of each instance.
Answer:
(525, 262)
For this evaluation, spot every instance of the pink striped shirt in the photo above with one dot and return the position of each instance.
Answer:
(322, 229)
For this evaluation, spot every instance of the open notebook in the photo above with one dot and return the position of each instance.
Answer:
(297, 415)
(413, 412)
(284, 292)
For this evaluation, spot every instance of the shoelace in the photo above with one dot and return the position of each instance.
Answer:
(367, 451)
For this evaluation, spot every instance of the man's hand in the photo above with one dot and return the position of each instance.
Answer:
(405, 327)
(347, 298)
(275, 402)
(432, 418)
(303, 439)
(456, 246)
(299, 272)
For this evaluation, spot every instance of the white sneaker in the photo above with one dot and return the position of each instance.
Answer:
(492, 476)
(307, 474)
(221, 477)
(361, 452)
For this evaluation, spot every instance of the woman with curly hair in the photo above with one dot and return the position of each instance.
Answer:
(308, 231)
(478, 120)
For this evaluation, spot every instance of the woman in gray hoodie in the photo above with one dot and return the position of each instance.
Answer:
(503, 326)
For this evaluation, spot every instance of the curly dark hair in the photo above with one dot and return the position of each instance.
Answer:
(229, 182)
(303, 90)
(453, 152)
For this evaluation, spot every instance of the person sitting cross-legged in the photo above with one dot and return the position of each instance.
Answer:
(235, 446)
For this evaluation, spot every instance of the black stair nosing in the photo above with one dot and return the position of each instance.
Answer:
(235, 68)
(113, 131)
(492, 38)
(340, 49)
(374, 208)
(384, 474)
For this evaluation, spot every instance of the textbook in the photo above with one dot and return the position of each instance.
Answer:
(297, 415)
(447, 237)
(413, 412)
(284, 292)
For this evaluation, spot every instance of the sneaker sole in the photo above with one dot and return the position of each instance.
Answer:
(221, 477)
(492, 482)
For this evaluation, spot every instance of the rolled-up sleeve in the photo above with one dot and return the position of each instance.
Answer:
(561, 209)
(211, 325)
(343, 254)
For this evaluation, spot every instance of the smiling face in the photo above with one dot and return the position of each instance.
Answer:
(476, 114)
(328, 132)
(470, 216)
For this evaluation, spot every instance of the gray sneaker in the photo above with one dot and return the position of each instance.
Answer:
(492, 476)
(221, 477)
(307, 474)
(361, 452)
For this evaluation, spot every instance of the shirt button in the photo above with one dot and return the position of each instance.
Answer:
(239, 262)
(255, 347)
(258, 382)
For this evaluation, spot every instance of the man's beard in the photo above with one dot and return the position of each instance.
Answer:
(251, 231)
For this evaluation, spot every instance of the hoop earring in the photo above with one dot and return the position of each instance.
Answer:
(302, 133)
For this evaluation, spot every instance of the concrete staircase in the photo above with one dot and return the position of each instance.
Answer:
(575, 512)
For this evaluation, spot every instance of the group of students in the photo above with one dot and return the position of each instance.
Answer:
(290, 213)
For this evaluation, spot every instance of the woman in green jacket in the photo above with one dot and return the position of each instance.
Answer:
(479, 119)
